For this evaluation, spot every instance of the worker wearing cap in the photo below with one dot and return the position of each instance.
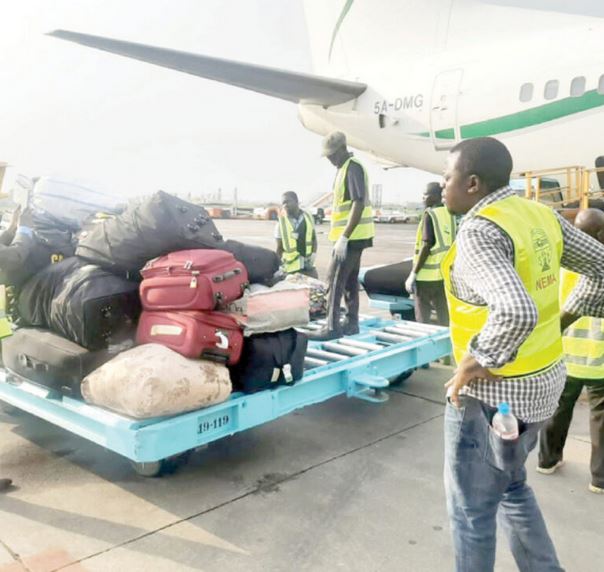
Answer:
(296, 237)
(435, 235)
(352, 231)
(583, 344)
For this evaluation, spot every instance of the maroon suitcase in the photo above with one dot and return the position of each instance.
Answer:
(192, 280)
(211, 335)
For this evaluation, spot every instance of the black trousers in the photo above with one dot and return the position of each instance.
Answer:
(430, 295)
(343, 280)
(554, 432)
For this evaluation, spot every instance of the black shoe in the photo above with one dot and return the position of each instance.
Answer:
(324, 335)
(350, 329)
(5, 484)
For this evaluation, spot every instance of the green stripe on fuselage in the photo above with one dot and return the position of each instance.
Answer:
(527, 118)
(345, 9)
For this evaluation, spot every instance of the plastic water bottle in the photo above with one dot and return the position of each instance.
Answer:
(504, 423)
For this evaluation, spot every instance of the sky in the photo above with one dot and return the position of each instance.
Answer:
(130, 128)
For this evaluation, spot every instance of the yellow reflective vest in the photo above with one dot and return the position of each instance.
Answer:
(340, 210)
(445, 228)
(292, 260)
(583, 341)
(537, 238)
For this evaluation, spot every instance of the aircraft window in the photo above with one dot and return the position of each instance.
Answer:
(601, 85)
(526, 92)
(551, 89)
(577, 87)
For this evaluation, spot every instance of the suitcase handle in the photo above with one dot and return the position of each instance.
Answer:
(226, 275)
(31, 363)
(223, 340)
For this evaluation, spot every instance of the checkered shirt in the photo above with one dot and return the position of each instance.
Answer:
(483, 273)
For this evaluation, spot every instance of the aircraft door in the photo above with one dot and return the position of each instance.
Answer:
(444, 129)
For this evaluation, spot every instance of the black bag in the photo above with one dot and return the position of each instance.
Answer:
(50, 360)
(158, 225)
(36, 296)
(47, 245)
(261, 263)
(270, 360)
(388, 279)
(82, 302)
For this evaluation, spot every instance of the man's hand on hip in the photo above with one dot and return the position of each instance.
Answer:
(467, 371)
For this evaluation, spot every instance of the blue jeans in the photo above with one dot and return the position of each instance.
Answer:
(485, 480)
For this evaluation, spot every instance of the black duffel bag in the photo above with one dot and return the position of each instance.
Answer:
(269, 361)
(82, 302)
(261, 263)
(389, 279)
(160, 224)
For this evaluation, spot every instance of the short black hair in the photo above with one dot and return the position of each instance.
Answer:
(487, 158)
(434, 188)
(290, 195)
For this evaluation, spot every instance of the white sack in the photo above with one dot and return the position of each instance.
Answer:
(152, 380)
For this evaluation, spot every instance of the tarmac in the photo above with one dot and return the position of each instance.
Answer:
(344, 485)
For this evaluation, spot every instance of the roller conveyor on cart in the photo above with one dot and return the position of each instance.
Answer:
(357, 366)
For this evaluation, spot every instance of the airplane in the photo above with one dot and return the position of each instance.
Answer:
(406, 80)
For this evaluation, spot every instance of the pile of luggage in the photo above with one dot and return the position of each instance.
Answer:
(205, 318)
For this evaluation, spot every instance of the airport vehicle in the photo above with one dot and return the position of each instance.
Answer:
(529, 73)
(390, 217)
(357, 366)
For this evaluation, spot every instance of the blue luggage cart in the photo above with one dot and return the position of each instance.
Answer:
(357, 366)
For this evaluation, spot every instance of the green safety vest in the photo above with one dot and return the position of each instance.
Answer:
(583, 341)
(340, 210)
(445, 229)
(292, 260)
(5, 327)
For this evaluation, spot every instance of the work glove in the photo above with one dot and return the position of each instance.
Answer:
(410, 283)
(310, 261)
(340, 248)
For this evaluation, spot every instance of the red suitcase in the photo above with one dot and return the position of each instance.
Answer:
(211, 335)
(192, 280)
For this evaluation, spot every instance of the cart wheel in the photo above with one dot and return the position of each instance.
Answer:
(398, 380)
(153, 469)
(164, 467)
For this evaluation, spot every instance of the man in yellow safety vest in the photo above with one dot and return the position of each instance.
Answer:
(352, 230)
(583, 344)
(296, 237)
(435, 235)
(502, 278)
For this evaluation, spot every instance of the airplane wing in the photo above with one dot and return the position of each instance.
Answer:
(292, 86)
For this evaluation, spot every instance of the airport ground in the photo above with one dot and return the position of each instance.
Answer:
(344, 485)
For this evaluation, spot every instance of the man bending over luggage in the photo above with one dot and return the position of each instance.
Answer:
(296, 238)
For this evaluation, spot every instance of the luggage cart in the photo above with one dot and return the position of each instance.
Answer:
(357, 366)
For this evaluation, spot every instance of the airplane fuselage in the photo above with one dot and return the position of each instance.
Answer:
(543, 97)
